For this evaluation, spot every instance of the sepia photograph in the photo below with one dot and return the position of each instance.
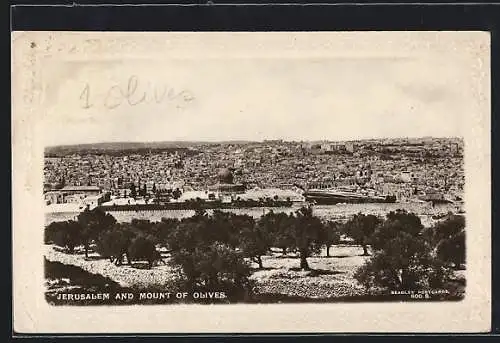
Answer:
(276, 170)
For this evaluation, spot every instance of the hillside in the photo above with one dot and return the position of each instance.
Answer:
(126, 147)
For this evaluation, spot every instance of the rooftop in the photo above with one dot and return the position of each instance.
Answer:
(80, 188)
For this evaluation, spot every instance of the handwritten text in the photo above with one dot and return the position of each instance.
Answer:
(133, 92)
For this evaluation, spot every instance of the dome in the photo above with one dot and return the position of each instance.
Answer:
(225, 176)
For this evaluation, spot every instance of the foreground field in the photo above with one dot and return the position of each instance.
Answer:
(125, 275)
(330, 278)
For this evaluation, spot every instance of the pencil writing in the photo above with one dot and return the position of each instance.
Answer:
(133, 93)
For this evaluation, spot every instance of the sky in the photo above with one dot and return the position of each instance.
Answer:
(243, 98)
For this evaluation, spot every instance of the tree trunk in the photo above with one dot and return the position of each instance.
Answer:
(190, 283)
(396, 279)
(303, 261)
(365, 250)
(284, 251)
(259, 261)
(213, 281)
(86, 250)
(404, 279)
(327, 251)
(407, 279)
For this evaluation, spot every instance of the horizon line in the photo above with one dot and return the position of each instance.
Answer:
(251, 140)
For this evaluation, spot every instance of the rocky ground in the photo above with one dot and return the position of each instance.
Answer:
(280, 280)
(329, 277)
(125, 275)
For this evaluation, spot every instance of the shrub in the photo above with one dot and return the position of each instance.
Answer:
(215, 267)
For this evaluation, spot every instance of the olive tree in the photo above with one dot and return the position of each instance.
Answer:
(361, 228)
(93, 222)
(66, 234)
(402, 258)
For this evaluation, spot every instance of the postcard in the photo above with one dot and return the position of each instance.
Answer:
(246, 182)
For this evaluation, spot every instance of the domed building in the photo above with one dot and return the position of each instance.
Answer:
(226, 183)
(225, 176)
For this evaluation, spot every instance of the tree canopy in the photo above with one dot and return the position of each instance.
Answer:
(92, 223)
(449, 239)
(361, 228)
(403, 258)
(65, 234)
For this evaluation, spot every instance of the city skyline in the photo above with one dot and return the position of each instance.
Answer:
(241, 141)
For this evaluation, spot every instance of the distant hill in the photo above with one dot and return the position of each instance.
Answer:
(120, 148)
(127, 147)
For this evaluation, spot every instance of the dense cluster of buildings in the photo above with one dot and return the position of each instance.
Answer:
(406, 168)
